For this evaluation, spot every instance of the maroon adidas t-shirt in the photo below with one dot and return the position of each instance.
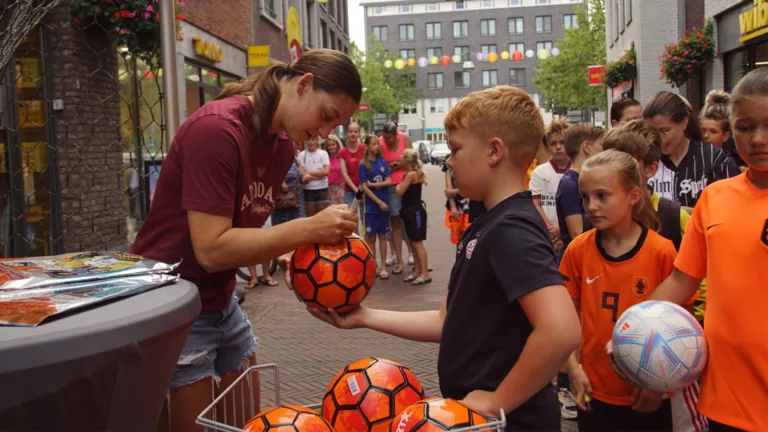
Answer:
(214, 166)
(352, 161)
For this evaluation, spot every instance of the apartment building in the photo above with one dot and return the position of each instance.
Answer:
(416, 29)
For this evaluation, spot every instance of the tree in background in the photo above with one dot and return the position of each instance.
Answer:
(563, 80)
(386, 90)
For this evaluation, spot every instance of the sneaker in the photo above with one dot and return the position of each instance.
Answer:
(567, 404)
(391, 260)
(410, 259)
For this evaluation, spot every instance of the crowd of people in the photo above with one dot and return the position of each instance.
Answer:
(570, 227)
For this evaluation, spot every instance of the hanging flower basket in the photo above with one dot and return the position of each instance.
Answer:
(621, 70)
(136, 23)
(689, 56)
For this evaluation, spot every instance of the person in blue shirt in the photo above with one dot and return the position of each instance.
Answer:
(375, 178)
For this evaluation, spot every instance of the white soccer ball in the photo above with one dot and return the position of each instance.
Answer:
(659, 346)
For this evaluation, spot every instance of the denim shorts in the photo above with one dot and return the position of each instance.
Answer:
(349, 199)
(220, 342)
(395, 202)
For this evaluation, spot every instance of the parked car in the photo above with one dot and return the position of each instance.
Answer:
(424, 148)
(440, 153)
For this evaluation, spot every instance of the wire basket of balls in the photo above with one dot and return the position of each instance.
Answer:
(368, 395)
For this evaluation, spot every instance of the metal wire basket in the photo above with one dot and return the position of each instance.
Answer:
(224, 417)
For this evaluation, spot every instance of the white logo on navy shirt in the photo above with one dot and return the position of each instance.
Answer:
(470, 248)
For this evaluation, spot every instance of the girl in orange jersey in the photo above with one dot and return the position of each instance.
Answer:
(607, 270)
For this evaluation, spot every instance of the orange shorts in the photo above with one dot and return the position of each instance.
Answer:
(457, 227)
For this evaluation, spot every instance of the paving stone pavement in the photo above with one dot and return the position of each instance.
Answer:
(309, 352)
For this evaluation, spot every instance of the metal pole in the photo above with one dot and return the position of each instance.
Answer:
(170, 78)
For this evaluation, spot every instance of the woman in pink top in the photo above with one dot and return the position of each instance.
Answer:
(335, 175)
(393, 145)
(352, 155)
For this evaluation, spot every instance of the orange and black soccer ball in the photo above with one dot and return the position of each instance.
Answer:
(288, 418)
(335, 276)
(436, 415)
(366, 395)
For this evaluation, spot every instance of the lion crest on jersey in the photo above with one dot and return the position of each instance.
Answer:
(640, 286)
(764, 237)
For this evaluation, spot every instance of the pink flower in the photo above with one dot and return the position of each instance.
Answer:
(150, 8)
(125, 31)
(146, 15)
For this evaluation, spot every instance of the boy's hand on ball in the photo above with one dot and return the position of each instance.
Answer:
(483, 402)
(333, 223)
(646, 401)
(614, 366)
(350, 320)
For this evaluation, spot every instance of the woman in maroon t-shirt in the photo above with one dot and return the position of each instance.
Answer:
(219, 183)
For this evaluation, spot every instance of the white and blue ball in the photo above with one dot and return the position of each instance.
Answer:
(659, 346)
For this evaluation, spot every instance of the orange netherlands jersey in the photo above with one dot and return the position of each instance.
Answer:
(727, 242)
(606, 287)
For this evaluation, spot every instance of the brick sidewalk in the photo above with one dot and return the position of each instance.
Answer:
(310, 352)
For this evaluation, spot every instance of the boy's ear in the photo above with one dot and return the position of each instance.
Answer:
(496, 151)
(585, 147)
(650, 170)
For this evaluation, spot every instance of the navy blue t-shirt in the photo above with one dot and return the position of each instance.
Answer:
(379, 171)
(568, 202)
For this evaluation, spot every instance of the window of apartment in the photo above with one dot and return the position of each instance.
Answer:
(460, 29)
(544, 24)
(490, 78)
(616, 18)
(406, 32)
(434, 52)
(457, 5)
(515, 26)
(435, 81)
(409, 109)
(547, 45)
(486, 49)
(333, 40)
(434, 31)
(378, 10)
(627, 11)
(323, 34)
(516, 46)
(436, 105)
(268, 7)
(380, 33)
(514, 2)
(569, 21)
(517, 77)
(433, 7)
(463, 51)
(406, 54)
(405, 8)
(488, 27)
(461, 79)
(486, 3)
(543, 2)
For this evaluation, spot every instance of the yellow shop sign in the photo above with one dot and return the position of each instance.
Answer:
(753, 22)
(207, 50)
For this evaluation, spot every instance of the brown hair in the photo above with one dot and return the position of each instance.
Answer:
(503, 112)
(649, 153)
(334, 72)
(675, 107)
(618, 107)
(753, 83)
(557, 127)
(336, 140)
(577, 134)
(717, 107)
(412, 157)
(629, 175)
(368, 140)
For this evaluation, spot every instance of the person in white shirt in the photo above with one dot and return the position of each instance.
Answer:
(546, 177)
(314, 165)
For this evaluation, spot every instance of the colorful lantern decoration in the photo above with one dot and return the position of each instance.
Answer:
(493, 57)
(479, 56)
(555, 52)
(411, 62)
(399, 64)
(445, 60)
(423, 62)
(456, 58)
(387, 63)
(505, 55)
(530, 53)
(517, 56)
(542, 54)
(434, 60)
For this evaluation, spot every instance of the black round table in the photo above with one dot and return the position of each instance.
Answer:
(105, 368)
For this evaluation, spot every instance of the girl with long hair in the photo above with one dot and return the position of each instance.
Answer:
(715, 119)
(219, 183)
(414, 215)
(375, 180)
(336, 171)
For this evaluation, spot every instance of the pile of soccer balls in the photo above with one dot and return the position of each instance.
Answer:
(370, 395)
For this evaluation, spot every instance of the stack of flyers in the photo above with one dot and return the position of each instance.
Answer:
(34, 289)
